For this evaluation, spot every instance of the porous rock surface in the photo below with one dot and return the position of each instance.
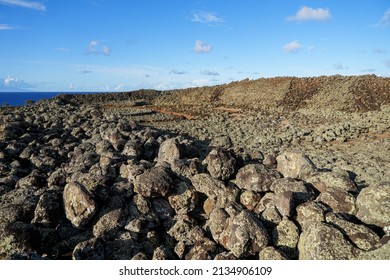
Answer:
(82, 177)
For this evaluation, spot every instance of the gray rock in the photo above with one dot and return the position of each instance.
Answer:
(373, 205)
(244, 235)
(91, 249)
(49, 209)
(221, 142)
(255, 177)
(310, 212)
(285, 236)
(79, 205)
(250, 199)
(270, 253)
(216, 222)
(295, 165)
(324, 242)
(170, 150)
(360, 235)
(323, 181)
(301, 192)
(184, 199)
(108, 224)
(220, 164)
(204, 183)
(154, 182)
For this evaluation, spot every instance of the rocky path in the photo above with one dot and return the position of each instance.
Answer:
(133, 182)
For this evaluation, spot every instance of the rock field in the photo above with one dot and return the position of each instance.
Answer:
(280, 168)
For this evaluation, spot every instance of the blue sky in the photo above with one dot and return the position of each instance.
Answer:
(118, 45)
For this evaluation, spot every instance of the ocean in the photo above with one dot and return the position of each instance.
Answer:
(20, 98)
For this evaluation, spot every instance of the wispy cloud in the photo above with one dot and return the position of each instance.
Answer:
(25, 4)
(378, 50)
(340, 66)
(210, 73)
(94, 48)
(206, 17)
(178, 72)
(6, 27)
(385, 20)
(370, 70)
(292, 47)
(307, 13)
(202, 47)
(61, 49)
(85, 71)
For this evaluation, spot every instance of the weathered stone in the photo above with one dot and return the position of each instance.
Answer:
(170, 150)
(270, 161)
(225, 256)
(204, 183)
(133, 148)
(79, 204)
(373, 205)
(221, 142)
(131, 170)
(143, 205)
(108, 225)
(162, 209)
(295, 165)
(285, 236)
(220, 164)
(250, 199)
(162, 253)
(323, 181)
(182, 226)
(324, 242)
(310, 212)
(382, 253)
(255, 177)
(339, 200)
(244, 235)
(271, 216)
(301, 192)
(285, 203)
(49, 209)
(270, 253)
(122, 249)
(185, 198)
(154, 182)
(91, 249)
(216, 222)
(363, 237)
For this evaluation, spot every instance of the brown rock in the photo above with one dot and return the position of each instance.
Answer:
(250, 199)
(339, 200)
(255, 177)
(154, 182)
(323, 181)
(220, 164)
(244, 235)
(310, 212)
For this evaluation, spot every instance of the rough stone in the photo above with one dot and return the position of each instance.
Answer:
(220, 164)
(154, 182)
(295, 165)
(255, 177)
(79, 205)
(244, 235)
(323, 181)
(204, 183)
(324, 242)
(339, 200)
(373, 205)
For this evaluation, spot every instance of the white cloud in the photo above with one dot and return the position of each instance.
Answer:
(93, 48)
(340, 66)
(206, 17)
(106, 50)
(25, 4)
(10, 82)
(307, 13)
(61, 49)
(292, 47)
(6, 27)
(385, 20)
(119, 87)
(201, 47)
(378, 50)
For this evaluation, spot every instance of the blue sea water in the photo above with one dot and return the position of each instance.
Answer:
(19, 98)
